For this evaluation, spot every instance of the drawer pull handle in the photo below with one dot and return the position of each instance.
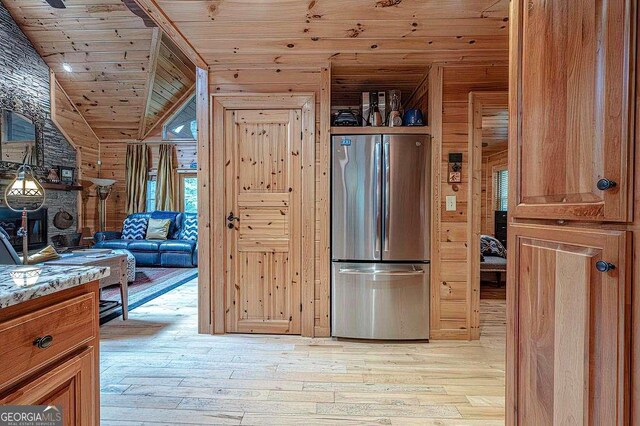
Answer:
(43, 342)
(603, 266)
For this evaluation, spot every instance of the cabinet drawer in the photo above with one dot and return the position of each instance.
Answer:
(69, 324)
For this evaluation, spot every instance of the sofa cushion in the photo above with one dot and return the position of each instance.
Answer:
(134, 228)
(172, 216)
(182, 246)
(145, 245)
(158, 229)
(493, 263)
(113, 244)
(189, 227)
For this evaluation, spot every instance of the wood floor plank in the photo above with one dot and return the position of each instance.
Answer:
(257, 419)
(156, 416)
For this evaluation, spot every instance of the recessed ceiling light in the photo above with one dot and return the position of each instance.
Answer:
(67, 67)
(178, 129)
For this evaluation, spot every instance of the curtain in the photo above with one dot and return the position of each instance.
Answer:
(137, 170)
(167, 180)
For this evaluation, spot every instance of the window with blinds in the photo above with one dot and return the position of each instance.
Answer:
(502, 190)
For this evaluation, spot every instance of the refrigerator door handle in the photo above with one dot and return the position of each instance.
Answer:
(387, 184)
(381, 273)
(378, 179)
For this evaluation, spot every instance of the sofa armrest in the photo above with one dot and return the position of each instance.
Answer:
(108, 235)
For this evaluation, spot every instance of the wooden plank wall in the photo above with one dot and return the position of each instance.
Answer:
(113, 167)
(75, 128)
(307, 80)
(489, 164)
(451, 299)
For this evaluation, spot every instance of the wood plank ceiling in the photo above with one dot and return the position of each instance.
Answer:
(495, 129)
(371, 43)
(108, 49)
(311, 32)
(173, 78)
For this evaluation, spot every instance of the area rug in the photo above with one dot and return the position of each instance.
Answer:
(149, 284)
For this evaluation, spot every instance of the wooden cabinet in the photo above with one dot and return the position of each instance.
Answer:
(568, 345)
(51, 344)
(572, 111)
(69, 385)
(571, 108)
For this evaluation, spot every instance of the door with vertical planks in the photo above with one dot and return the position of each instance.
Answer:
(264, 235)
(568, 346)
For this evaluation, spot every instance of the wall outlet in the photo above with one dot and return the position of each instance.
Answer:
(451, 203)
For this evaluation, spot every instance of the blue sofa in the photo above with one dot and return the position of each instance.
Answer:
(172, 252)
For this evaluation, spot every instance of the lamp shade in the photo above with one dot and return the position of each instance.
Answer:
(101, 181)
(25, 191)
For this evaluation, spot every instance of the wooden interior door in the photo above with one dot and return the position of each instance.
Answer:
(568, 344)
(263, 203)
(572, 108)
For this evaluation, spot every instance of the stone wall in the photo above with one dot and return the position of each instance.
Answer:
(26, 76)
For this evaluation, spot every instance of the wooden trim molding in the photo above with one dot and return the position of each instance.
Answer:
(323, 309)
(205, 202)
(477, 101)
(222, 103)
(435, 121)
(155, 12)
(156, 42)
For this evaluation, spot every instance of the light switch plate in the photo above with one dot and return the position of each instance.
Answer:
(451, 203)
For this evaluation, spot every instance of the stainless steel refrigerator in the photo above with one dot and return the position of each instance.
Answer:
(380, 231)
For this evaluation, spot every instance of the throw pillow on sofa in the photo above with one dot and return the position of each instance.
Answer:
(158, 229)
(173, 228)
(134, 228)
(189, 228)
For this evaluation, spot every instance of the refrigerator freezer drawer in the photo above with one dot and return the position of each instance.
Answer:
(380, 301)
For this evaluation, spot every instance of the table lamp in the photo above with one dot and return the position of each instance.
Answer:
(24, 194)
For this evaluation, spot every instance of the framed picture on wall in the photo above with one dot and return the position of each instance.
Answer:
(67, 174)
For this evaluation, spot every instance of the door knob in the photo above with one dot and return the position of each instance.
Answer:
(604, 184)
(230, 220)
(603, 266)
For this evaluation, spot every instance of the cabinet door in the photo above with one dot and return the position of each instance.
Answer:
(567, 340)
(571, 95)
(70, 386)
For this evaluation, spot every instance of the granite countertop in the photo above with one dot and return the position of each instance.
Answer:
(21, 283)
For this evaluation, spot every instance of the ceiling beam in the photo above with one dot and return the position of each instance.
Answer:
(156, 42)
(155, 12)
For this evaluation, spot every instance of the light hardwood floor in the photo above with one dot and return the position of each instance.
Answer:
(156, 370)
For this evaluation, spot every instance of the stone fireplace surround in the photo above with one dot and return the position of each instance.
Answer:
(24, 75)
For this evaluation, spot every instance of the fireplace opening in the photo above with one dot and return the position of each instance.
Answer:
(37, 225)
